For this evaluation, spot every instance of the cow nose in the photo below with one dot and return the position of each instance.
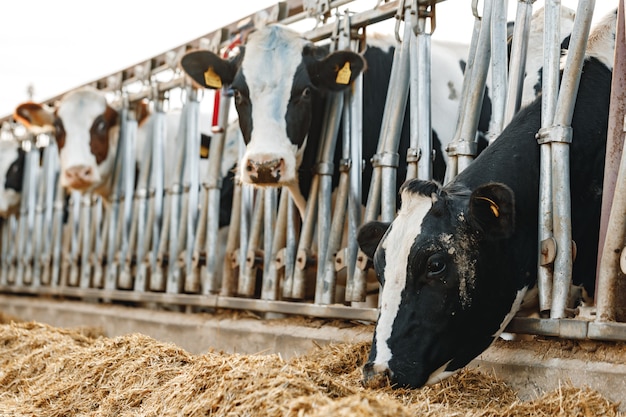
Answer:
(265, 171)
(80, 175)
(376, 376)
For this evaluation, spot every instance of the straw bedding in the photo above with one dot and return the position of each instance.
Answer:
(48, 371)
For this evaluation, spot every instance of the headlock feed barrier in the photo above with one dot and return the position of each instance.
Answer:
(156, 239)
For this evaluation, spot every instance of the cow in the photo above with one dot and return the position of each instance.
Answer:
(280, 80)
(465, 254)
(12, 158)
(86, 128)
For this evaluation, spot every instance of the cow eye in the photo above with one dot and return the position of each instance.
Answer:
(436, 266)
(100, 126)
(306, 93)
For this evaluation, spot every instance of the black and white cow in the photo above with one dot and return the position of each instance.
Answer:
(12, 158)
(280, 80)
(465, 254)
(87, 130)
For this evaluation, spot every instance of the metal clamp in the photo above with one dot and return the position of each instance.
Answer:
(554, 134)
(463, 148)
(425, 11)
(386, 159)
(324, 168)
(413, 155)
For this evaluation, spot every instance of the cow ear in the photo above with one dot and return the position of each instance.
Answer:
(337, 71)
(33, 114)
(492, 210)
(207, 69)
(369, 236)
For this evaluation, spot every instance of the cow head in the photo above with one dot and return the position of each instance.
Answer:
(11, 176)
(86, 130)
(440, 301)
(274, 80)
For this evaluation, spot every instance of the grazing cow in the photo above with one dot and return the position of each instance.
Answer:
(87, 129)
(279, 81)
(465, 254)
(11, 173)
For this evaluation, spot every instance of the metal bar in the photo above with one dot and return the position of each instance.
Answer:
(465, 148)
(269, 287)
(561, 200)
(229, 275)
(499, 70)
(519, 49)
(609, 290)
(211, 273)
(393, 118)
(248, 268)
(354, 288)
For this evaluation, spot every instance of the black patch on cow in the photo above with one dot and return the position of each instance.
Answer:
(15, 173)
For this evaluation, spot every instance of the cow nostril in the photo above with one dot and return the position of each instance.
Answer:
(376, 378)
(87, 172)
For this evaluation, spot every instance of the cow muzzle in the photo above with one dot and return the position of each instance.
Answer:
(264, 172)
(79, 177)
(376, 376)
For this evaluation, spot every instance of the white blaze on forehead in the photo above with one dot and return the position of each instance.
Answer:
(271, 58)
(78, 110)
(397, 245)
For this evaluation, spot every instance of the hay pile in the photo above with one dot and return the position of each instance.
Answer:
(47, 371)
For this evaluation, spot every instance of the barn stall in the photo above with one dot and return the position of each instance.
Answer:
(62, 247)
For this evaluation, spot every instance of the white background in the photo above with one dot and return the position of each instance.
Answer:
(56, 45)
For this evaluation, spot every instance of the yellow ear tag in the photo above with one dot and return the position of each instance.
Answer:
(211, 79)
(343, 75)
(204, 152)
(493, 206)
(494, 210)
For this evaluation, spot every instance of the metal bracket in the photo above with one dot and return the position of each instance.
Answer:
(462, 147)
(554, 134)
(413, 155)
(318, 9)
(386, 159)
(425, 11)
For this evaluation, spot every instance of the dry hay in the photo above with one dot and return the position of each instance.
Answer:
(47, 371)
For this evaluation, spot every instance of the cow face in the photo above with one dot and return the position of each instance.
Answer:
(436, 304)
(11, 176)
(274, 80)
(86, 130)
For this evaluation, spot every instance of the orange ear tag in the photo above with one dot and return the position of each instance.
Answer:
(343, 75)
(211, 79)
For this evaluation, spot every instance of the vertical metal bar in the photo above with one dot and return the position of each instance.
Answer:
(499, 63)
(561, 202)
(550, 88)
(393, 118)
(86, 249)
(160, 203)
(269, 288)
(248, 268)
(31, 170)
(453, 164)
(517, 66)
(420, 97)
(211, 272)
(49, 185)
(355, 288)
(466, 147)
(609, 287)
(57, 235)
(229, 278)
(304, 253)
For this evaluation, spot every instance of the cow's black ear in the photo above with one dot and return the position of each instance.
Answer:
(369, 236)
(492, 210)
(337, 71)
(207, 69)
